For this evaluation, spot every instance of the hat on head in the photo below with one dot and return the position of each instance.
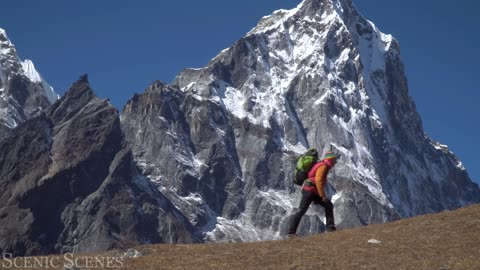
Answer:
(330, 155)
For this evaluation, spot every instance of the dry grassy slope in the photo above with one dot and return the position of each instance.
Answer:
(448, 240)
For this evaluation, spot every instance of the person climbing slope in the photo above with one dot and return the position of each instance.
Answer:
(313, 190)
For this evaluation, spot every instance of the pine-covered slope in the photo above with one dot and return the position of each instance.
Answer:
(221, 141)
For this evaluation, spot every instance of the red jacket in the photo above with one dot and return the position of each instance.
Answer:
(317, 177)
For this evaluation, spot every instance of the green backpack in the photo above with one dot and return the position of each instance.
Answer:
(304, 164)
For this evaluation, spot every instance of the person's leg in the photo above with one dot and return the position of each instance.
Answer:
(305, 202)
(330, 222)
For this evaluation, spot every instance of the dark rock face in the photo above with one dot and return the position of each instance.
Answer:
(69, 183)
(20, 100)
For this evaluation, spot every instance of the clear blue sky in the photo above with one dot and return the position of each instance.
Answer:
(126, 45)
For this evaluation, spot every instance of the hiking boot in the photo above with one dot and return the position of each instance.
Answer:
(330, 229)
(291, 236)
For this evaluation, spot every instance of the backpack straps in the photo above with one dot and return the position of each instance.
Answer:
(311, 173)
(310, 183)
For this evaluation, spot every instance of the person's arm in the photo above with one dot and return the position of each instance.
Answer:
(321, 180)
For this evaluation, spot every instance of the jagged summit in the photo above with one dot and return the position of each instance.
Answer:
(23, 91)
(77, 97)
(301, 40)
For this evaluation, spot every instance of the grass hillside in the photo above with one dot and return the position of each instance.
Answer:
(448, 240)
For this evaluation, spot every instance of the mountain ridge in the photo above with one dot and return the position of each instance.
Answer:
(71, 184)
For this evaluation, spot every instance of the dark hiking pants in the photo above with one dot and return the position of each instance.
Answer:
(307, 198)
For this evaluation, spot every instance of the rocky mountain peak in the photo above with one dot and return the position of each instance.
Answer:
(23, 91)
(309, 11)
(9, 61)
(76, 98)
(80, 88)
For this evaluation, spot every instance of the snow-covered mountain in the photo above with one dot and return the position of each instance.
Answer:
(220, 142)
(23, 92)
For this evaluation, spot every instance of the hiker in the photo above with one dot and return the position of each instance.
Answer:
(313, 190)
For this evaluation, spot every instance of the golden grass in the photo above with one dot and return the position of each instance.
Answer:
(448, 240)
